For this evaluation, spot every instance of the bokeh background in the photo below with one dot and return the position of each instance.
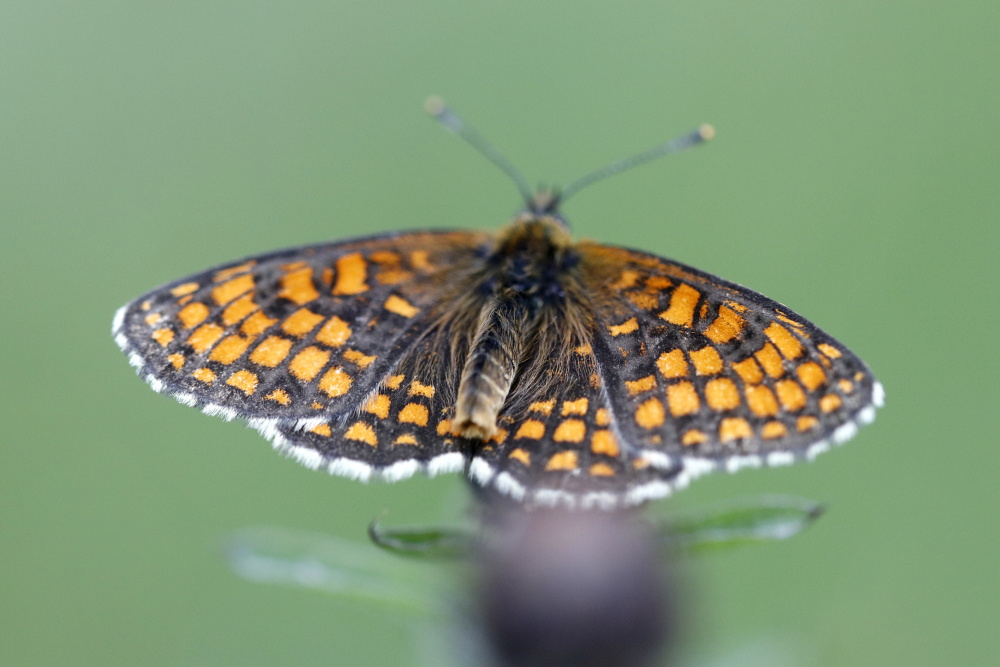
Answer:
(855, 178)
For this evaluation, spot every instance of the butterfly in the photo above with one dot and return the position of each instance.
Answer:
(552, 371)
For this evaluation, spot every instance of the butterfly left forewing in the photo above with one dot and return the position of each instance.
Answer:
(293, 334)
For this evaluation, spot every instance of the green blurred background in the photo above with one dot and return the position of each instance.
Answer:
(854, 178)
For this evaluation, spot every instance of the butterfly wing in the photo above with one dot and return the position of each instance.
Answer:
(296, 337)
(705, 374)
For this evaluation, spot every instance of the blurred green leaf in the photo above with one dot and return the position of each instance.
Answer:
(332, 565)
(423, 542)
(740, 522)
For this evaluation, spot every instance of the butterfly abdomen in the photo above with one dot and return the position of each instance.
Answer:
(491, 365)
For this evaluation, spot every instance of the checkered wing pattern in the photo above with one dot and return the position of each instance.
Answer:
(296, 338)
(708, 374)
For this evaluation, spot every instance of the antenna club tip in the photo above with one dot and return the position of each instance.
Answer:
(434, 105)
(706, 132)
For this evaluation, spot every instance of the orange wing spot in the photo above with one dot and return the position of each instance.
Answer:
(326, 277)
(352, 270)
(163, 336)
(307, 364)
(706, 361)
(734, 428)
(245, 381)
(722, 394)
(635, 387)
(787, 344)
(640, 463)
(205, 336)
(682, 304)
(257, 324)
(657, 283)
(761, 401)
(146, 305)
(360, 359)
(152, 318)
(703, 311)
(230, 349)
(334, 333)
(414, 413)
(322, 429)
(378, 405)
(297, 286)
(206, 375)
(772, 430)
(225, 274)
(570, 430)
(738, 307)
(335, 382)
(577, 407)
(395, 381)
(601, 470)
(239, 309)
(185, 289)
(584, 350)
(418, 388)
(748, 370)
(542, 407)
(498, 437)
(693, 437)
(811, 375)
(805, 423)
(626, 327)
(787, 320)
(192, 314)
(845, 385)
(564, 460)
(602, 417)
(770, 360)
(644, 300)
(605, 443)
(316, 405)
(726, 326)
(650, 414)
(520, 455)
(400, 306)
(829, 403)
(683, 399)
(229, 290)
(393, 276)
(177, 359)
(361, 432)
(420, 260)
(627, 279)
(384, 257)
(444, 427)
(672, 364)
(791, 395)
(271, 352)
(406, 439)
(829, 350)
(280, 396)
(301, 322)
(531, 428)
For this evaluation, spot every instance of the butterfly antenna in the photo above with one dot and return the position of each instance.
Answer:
(698, 136)
(436, 107)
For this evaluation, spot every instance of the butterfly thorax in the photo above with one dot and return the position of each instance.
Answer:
(531, 267)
